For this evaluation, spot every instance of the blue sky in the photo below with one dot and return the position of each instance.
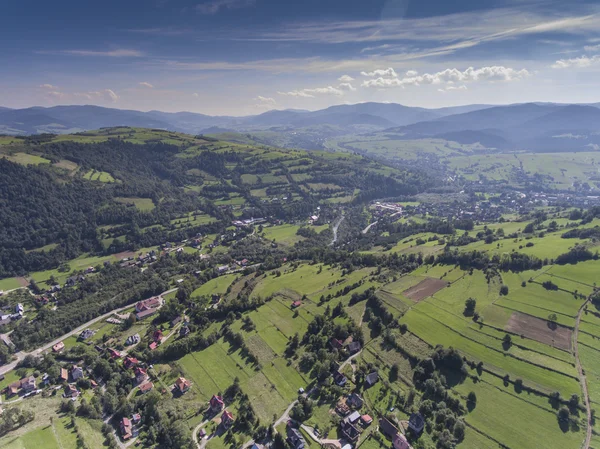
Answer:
(238, 57)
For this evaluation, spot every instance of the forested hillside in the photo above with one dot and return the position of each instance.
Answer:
(121, 189)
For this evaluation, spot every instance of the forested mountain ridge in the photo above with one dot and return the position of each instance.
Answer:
(122, 188)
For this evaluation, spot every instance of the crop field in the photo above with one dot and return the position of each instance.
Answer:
(539, 330)
(424, 289)
(433, 325)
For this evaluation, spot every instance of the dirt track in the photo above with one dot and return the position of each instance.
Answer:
(424, 289)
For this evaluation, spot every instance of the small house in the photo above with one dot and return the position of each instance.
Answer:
(175, 321)
(339, 379)
(126, 428)
(58, 347)
(141, 375)
(227, 419)
(130, 362)
(416, 423)
(296, 304)
(76, 372)
(350, 432)
(372, 378)
(152, 346)
(145, 388)
(114, 353)
(355, 401)
(353, 417)
(366, 420)
(216, 404)
(157, 335)
(399, 442)
(88, 333)
(183, 385)
(295, 438)
(387, 428)
(136, 418)
(64, 374)
(72, 392)
(184, 331)
(354, 347)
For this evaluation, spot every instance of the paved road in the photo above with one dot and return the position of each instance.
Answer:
(582, 379)
(21, 354)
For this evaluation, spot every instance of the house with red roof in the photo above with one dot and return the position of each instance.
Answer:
(126, 428)
(130, 362)
(157, 336)
(145, 388)
(183, 385)
(141, 375)
(227, 419)
(216, 404)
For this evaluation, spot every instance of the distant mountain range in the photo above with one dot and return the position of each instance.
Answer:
(536, 126)
(67, 119)
(532, 126)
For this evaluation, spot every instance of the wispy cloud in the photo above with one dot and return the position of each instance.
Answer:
(345, 79)
(493, 73)
(49, 86)
(145, 84)
(580, 62)
(214, 6)
(119, 53)
(380, 72)
(310, 93)
(105, 94)
(266, 100)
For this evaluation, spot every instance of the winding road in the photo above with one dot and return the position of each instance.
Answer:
(582, 378)
(335, 230)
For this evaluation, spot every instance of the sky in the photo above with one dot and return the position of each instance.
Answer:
(241, 57)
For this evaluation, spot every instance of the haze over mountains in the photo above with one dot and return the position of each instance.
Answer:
(534, 126)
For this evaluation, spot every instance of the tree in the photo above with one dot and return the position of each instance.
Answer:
(504, 290)
(472, 399)
(470, 307)
(507, 341)
(394, 372)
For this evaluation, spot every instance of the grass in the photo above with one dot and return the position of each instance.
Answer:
(42, 437)
(27, 159)
(9, 284)
(217, 285)
(143, 204)
(284, 234)
(100, 176)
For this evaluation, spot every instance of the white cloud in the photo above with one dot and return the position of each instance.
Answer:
(310, 93)
(377, 47)
(347, 86)
(119, 53)
(453, 88)
(580, 62)
(55, 95)
(48, 86)
(381, 72)
(345, 78)
(145, 84)
(266, 101)
(411, 73)
(195, 95)
(592, 47)
(111, 95)
(449, 76)
(214, 6)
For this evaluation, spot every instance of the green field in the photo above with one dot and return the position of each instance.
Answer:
(100, 176)
(143, 204)
(27, 159)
